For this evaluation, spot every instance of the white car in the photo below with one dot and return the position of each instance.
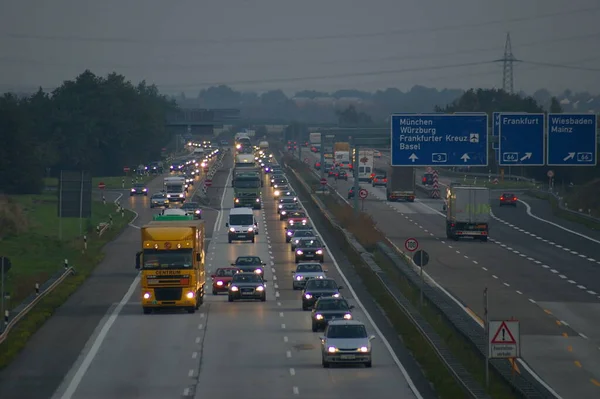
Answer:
(346, 342)
(306, 271)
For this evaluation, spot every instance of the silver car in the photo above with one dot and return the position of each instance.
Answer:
(346, 342)
(159, 200)
(300, 235)
(306, 271)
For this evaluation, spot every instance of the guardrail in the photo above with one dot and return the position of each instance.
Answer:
(471, 387)
(562, 205)
(526, 387)
(12, 317)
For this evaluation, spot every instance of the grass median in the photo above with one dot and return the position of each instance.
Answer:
(110, 182)
(29, 236)
(564, 214)
(365, 231)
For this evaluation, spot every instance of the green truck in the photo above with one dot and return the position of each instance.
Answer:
(247, 189)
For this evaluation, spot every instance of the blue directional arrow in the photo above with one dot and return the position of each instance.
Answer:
(521, 139)
(439, 139)
(572, 140)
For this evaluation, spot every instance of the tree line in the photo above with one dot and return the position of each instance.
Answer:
(94, 123)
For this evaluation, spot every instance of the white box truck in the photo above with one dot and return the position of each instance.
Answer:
(467, 212)
(365, 165)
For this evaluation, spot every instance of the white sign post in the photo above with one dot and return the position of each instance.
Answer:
(504, 339)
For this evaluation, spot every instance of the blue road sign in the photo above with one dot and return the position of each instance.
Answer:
(572, 140)
(521, 139)
(439, 140)
(495, 124)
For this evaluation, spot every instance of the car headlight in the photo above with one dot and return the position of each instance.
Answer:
(231, 229)
(258, 200)
(277, 193)
(236, 200)
(298, 278)
(332, 349)
(219, 283)
(320, 252)
(272, 180)
(336, 295)
(250, 229)
(295, 199)
(289, 233)
(304, 221)
(347, 316)
(190, 295)
(320, 276)
(258, 271)
(168, 195)
(291, 222)
(275, 186)
(260, 288)
(319, 316)
(283, 212)
(181, 195)
(364, 349)
(133, 190)
(144, 190)
(147, 295)
(280, 206)
(307, 296)
(233, 288)
(299, 252)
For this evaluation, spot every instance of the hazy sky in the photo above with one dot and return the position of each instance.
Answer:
(186, 45)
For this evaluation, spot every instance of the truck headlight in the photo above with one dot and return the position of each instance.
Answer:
(250, 229)
(332, 349)
(197, 211)
(364, 349)
(190, 295)
(181, 195)
(237, 201)
(232, 229)
(319, 317)
(299, 278)
(147, 295)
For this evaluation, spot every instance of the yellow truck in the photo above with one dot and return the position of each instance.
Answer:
(341, 146)
(172, 263)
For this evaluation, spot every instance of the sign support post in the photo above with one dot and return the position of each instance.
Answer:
(487, 346)
(355, 174)
(2, 287)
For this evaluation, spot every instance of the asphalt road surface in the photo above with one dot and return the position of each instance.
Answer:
(100, 345)
(39, 369)
(539, 273)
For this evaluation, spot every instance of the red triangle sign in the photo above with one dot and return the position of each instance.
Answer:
(503, 335)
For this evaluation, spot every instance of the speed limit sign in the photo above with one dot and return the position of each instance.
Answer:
(411, 244)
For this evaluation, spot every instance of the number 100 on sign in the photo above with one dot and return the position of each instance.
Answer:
(411, 244)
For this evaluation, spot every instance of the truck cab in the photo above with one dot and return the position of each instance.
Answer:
(247, 190)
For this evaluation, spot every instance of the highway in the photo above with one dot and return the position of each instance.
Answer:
(538, 273)
(39, 369)
(100, 345)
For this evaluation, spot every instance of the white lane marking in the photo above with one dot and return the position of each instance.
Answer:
(292, 371)
(583, 336)
(531, 300)
(370, 319)
(186, 392)
(89, 357)
(288, 354)
(201, 315)
(194, 355)
(191, 373)
(519, 292)
(285, 339)
(198, 340)
(276, 294)
(280, 314)
(200, 326)
(296, 390)
(529, 213)
(283, 326)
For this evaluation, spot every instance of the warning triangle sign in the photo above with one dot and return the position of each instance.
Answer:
(503, 335)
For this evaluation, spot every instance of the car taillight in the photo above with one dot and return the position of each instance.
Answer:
(385, 180)
(502, 198)
(424, 180)
(514, 198)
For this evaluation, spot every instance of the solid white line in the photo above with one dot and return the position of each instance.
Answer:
(529, 213)
(370, 319)
(89, 357)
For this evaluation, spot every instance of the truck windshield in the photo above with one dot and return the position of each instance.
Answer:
(247, 183)
(175, 188)
(241, 220)
(172, 259)
(245, 164)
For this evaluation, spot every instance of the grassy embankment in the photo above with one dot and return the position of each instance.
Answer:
(29, 236)
(111, 182)
(364, 229)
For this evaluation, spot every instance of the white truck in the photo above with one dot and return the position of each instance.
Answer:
(314, 138)
(467, 212)
(365, 165)
(175, 188)
(342, 159)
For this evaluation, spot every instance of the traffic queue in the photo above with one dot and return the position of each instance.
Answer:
(344, 339)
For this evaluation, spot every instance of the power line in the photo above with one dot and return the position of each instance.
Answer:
(125, 40)
(562, 66)
(423, 56)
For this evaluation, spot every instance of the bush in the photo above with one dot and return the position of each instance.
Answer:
(13, 219)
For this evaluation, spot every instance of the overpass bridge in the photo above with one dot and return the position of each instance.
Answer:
(200, 121)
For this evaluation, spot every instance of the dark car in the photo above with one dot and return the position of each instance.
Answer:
(155, 168)
(139, 189)
(289, 232)
(331, 172)
(317, 165)
(222, 279)
(379, 180)
(247, 286)
(327, 309)
(342, 175)
(319, 288)
(250, 264)
(278, 181)
(427, 179)
(192, 209)
(285, 209)
(310, 249)
(351, 193)
(283, 200)
(301, 234)
(508, 199)
(280, 190)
